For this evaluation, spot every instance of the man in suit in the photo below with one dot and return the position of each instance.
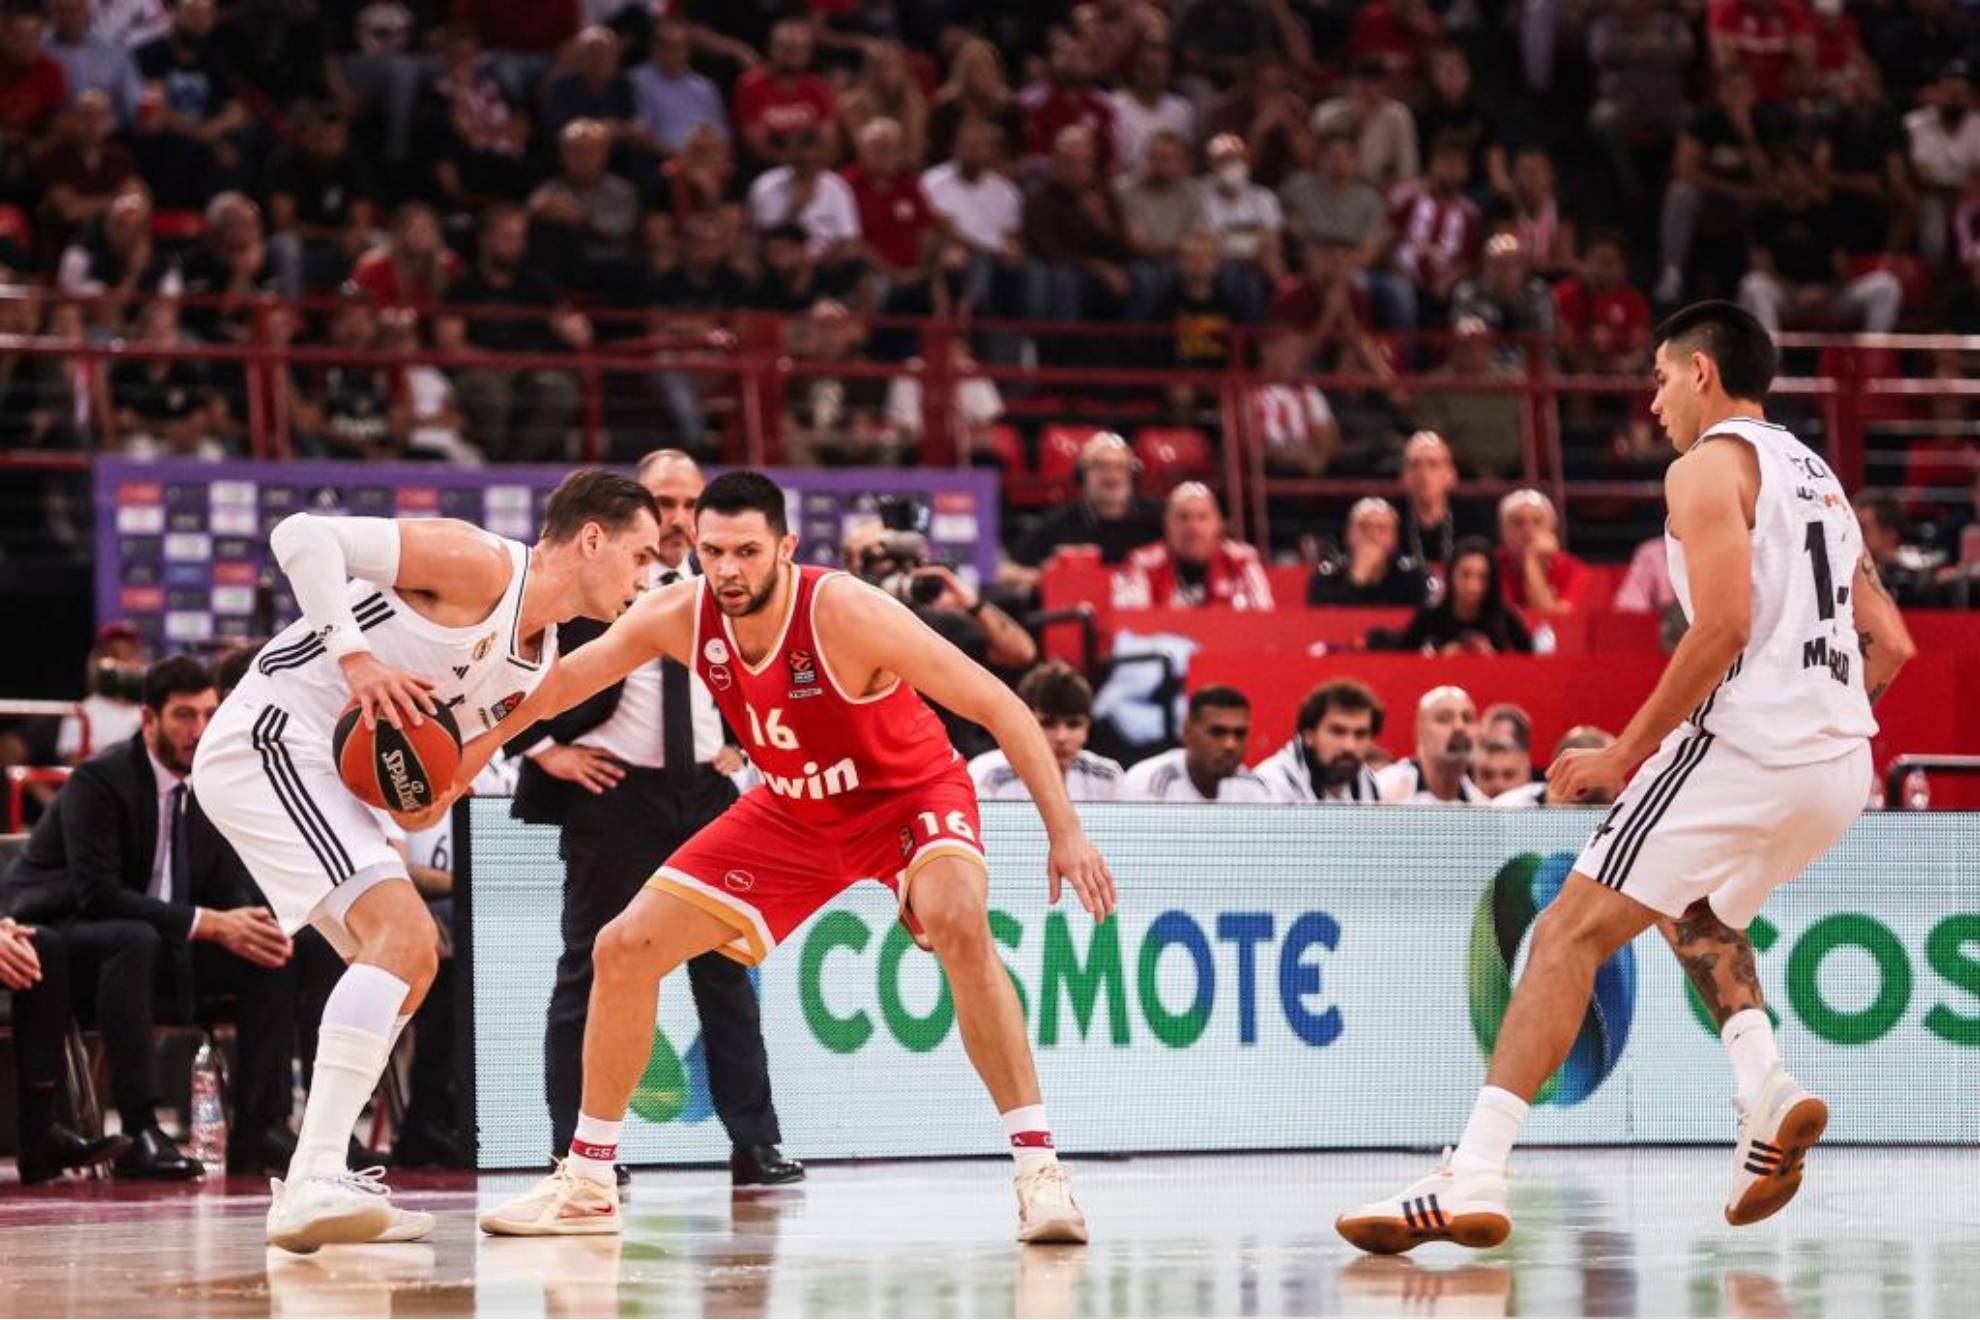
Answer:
(630, 775)
(34, 966)
(160, 919)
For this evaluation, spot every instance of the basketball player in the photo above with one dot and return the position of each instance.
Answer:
(1757, 736)
(820, 673)
(405, 617)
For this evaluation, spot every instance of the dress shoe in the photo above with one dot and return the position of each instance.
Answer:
(154, 1155)
(261, 1151)
(360, 1156)
(763, 1166)
(62, 1149)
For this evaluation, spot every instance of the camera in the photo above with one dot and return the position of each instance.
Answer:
(117, 682)
(889, 563)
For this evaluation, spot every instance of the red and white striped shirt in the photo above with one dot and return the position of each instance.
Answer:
(1235, 576)
(1439, 236)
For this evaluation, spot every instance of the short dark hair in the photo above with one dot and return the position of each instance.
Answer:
(1888, 509)
(1732, 337)
(1219, 695)
(740, 490)
(1343, 694)
(1522, 722)
(233, 665)
(595, 495)
(174, 676)
(1057, 691)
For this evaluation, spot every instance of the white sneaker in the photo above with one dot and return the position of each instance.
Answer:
(407, 1226)
(1465, 1206)
(1046, 1209)
(564, 1204)
(1775, 1133)
(346, 1207)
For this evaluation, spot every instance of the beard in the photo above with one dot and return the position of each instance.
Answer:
(1342, 769)
(755, 601)
(170, 756)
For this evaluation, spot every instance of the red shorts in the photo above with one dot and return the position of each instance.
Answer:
(763, 871)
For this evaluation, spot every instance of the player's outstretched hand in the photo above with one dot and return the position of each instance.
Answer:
(1077, 862)
(1583, 773)
(399, 698)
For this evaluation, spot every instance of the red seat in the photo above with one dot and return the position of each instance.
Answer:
(1171, 455)
(1007, 447)
(1058, 451)
(14, 225)
(177, 226)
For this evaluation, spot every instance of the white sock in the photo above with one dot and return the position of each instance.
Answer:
(1494, 1126)
(595, 1148)
(1750, 1044)
(1031, 1137)
(351, 1050)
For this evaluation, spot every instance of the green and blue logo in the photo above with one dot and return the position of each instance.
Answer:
(1506, 912)
(674, 1087)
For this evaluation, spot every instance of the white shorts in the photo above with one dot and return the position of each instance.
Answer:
(1702, 819)
(273, 791)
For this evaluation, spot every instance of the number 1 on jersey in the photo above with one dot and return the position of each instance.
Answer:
(773, 732)
(1825, 585)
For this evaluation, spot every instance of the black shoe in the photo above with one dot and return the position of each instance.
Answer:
(763, 1166)
(262, 1151)
(360, 1156)
(154, 1155)
(61, 1150)
(423, 1146)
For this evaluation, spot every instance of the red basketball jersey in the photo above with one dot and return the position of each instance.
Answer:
(825, 755)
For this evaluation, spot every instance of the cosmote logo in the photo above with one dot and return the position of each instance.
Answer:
(674, 1087)
(1506, 912)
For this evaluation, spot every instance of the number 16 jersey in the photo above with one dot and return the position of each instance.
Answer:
(1795, 694)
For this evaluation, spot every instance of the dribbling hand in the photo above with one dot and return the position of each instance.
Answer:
(1077, 862)
(399, 698)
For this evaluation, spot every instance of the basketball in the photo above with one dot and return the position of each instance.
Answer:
(397, 769)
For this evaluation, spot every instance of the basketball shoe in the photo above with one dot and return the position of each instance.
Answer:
(1775, 1132)
(1465, 1206)
(1046, 1209)
(406, 1226)
(315, 1212)
(564, 1204)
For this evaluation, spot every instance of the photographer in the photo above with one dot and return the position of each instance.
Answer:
(114, 675)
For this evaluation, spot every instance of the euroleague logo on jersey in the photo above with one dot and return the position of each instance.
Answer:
(804, 676)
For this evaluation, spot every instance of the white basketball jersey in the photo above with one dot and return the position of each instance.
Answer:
(476, 671)
(1795, 694)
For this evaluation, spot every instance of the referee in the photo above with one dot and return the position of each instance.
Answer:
(629, 775)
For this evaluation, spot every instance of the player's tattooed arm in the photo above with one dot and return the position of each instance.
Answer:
(1880, 632)
(1717, 960)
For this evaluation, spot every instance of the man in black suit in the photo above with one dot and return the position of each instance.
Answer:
(630, 775)
(34, 966)
(161, 919)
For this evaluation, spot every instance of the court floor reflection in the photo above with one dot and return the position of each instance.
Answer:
(1876, 1232)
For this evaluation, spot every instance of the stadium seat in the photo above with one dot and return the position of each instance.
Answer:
(1058, 451)
(1006, 449)
(1171, 455)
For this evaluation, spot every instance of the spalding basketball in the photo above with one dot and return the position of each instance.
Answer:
(403, 770)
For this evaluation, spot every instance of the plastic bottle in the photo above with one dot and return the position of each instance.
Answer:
(209, 1111)
(1544, 640)
(1917, 792)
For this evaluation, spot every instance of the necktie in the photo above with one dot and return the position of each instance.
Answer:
(676, 716)
(178, 864)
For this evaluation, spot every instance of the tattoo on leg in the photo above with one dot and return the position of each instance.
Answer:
(1717, 959)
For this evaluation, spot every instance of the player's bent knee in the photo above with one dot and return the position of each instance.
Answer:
(952, 910)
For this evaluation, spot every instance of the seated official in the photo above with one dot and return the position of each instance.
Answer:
(34, 968)
(1209, 766)
(1326, 760)
(161, 922)
(1194, 563)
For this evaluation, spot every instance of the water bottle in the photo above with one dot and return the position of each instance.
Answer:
(1917, 792)
(1544, 640)
(209, 1110)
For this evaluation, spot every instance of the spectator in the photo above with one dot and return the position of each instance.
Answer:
(897, 561)
(1147, 107)
(346, 410)
(413, 267)
(1511, 722)
(1647, 587)
(113, 701)
(1641, 51)
(1065, 98)
(705, 280)
(1246, 219)
(34, 970)
(1062, 702)
(481, 141)
(1472, 617)
(592, 89)
(1334, 204)
(1205, 315)
(115, 255)
(782, 108)
(1535, 218)
(1860, 163)
(1326, 305)
(160, 917)
(804, 192)
(1773, 41)
(33, 90)
(976, 89)
(190, 115)
(584, 224)
(1209, 766)
(1503, 772)
(1800, 270)
(522, 38)
(1072, 233)
(231, 262)
(1512, 302)
(789, 280)
(1222, 41)
(700, 180)
(978, 205)
(1108, 515)
(1446, 732)
(434, 424)
(1436, 226)
(1380, 125)
(82, 172)
(1431, 525)
(1453, 114)
(386, 65)
(1582, 737)
(1911, 42)
(131, 23)
(1720, 169)
(1194, 563)
(887, 90)
(1536, 573)
(670, 97)
(167, 405)
(322, 205)
(976, 405)
(1293, 421)
(92, 63)
(1838, 42)
(1945, 151)
(1159, 207)
(514, 416)
(1271, 113)
(895, 219)
(1372, 571)
(1905, 570)
(1326, 759)
(1601, 323)
(1483, 425)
